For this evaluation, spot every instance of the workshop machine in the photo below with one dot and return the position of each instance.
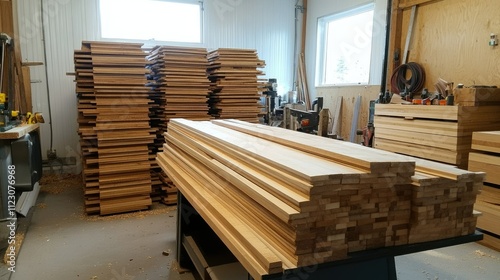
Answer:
(8, 117)
(272, 101)
(312, 121)
(20, 148)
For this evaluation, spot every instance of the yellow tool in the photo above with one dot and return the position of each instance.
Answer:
(3, 99)
(34, 118)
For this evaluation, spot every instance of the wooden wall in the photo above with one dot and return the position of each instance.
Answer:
(349, 95)
(450, 39)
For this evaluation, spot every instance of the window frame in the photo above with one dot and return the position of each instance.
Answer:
(322, 38)
(152, 42)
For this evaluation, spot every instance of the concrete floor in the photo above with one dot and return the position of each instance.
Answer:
(63, 243)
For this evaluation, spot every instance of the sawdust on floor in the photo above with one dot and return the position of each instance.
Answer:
(156, 209)
(480, 254)
(19, 241)
(58, 183)
(41, 205)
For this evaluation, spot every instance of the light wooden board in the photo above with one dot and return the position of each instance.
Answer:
(486, 163)
(486, 141)
(19, 131)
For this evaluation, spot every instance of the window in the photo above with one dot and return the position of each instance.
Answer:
(156, 20)
(345, 47)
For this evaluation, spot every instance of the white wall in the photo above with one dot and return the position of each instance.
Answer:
(264, 25)
(319, 8)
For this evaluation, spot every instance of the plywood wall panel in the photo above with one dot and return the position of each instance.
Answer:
(450, 40)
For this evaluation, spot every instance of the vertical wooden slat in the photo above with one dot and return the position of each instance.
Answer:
(394, 40)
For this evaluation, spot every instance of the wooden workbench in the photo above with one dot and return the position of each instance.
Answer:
(19, 131)
(378, 264)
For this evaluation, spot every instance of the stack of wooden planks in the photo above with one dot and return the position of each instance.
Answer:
(486, 157)
(86, 121)
(236, 89)
(180, 88)
(488, 203)
(281, 199)
(443, 207)
(440, 133)
(114, 126)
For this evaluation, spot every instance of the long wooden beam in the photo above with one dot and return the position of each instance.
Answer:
(409, 3)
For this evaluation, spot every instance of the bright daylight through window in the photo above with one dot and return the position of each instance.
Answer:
(157, 20)
(344, 47)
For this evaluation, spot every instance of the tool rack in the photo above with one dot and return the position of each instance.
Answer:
(199, 246)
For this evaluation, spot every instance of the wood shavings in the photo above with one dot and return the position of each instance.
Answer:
(58, 183)
(19, 241)
(41, 205)
(156, 209)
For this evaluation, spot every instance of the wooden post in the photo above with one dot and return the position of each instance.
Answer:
(394, 57)
(324, 117)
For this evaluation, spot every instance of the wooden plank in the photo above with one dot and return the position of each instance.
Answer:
(27, 103)
(486, 163)
(299, 163)
(413, 111)
(350, 154)
(19, 131)
(395, 35)
(439, 128)
(425, 139)
(410, 3)
(355, 117)
(486, 141)
(437, 154)
(339, 151)
(409, 34)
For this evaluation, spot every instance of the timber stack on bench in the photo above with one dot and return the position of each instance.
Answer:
(236, 89)
(280, 199)
(114, 115)
(180, 86)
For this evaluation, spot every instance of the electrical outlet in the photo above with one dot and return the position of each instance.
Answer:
(493, 40)
(51, 154)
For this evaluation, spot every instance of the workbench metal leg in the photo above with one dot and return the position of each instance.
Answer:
(391, 268)
(182, 257)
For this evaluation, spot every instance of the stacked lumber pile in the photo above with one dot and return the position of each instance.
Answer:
(86, 121)
(236, 89)
(486, 155)
(180, 88)
(440, 133)
(486, 158)
(281, 199)
(488, 203)
(180, 76)
(114, 104)
(443, 207)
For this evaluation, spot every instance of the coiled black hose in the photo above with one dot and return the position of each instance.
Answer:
(399, 82)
